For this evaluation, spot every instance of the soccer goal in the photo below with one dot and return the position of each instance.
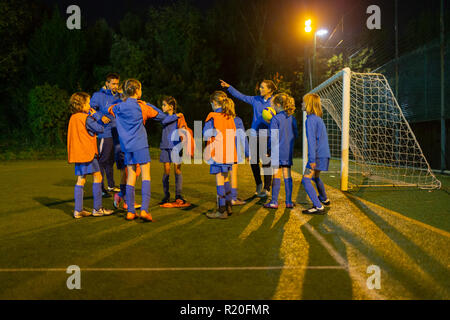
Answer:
(371, 143)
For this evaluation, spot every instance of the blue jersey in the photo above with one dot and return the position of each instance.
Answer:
(287, 133)
(258, 103)
(100, 102)
(317, 138)
(170, 125)
(130, 118)
(241, 139)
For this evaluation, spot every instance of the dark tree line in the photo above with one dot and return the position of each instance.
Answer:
(175, 49)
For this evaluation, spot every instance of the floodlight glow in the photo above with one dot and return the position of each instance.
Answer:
(322, 32)
(308, 25)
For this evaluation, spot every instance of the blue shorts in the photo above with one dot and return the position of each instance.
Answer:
(321, 164)
(285, 163)
(218, 168)
(166, 156)
(85, 168)
(137, 157)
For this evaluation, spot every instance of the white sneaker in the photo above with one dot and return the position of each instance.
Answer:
(81, 214)
(258, 189)
(101, 212)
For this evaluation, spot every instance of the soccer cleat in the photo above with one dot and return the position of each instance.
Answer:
(326, 202)
(101, 212)
(219, 214)
(81, 214)
(229, 207)
(117, 200)
(263, 194)
(113, 189)
(131, 216)
(136, 206)
(290, 205)
(314, 210)
(146, 216)
(166, 199)
(238, 202)
(258, 189)
(271, 205)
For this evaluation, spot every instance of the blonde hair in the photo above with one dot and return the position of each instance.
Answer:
(218, 97)
(286, 102)
(313, 104)
(77, 101)
(228, 107)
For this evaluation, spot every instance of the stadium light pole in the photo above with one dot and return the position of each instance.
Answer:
(320, 32)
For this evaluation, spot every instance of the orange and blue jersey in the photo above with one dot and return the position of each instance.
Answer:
(258, 103)
(316, 134)
(287, 133)
(100, 102)
(220, 132)
(81, 138)
(131, 116)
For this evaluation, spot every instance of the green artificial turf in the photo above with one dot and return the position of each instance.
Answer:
(37, 231)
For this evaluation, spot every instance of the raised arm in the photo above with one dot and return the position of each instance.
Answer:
(93, 127)
(237, 94)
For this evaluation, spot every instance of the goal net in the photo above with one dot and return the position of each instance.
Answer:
(371, 143)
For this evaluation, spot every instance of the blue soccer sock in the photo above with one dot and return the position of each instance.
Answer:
(312, 194)
(129, 196)
(178, 184)
(165, 182)
(234, 193)
(221, 195)
(146, 194)
(288, 189)
(276, 183)
(321, 188)
(228, 196)
(78, 194)
(123, 190)
(97, 193)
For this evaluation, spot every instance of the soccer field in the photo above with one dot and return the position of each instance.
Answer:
(256, 254)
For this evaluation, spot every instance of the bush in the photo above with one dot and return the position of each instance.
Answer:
(48, 114)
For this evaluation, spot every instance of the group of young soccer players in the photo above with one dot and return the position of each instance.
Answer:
(118, 117)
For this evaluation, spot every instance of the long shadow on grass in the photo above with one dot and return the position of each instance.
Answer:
(65, 206)
(426, 262)
(408, 280)
(325, 284)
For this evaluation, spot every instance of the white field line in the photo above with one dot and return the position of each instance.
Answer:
(173, 269)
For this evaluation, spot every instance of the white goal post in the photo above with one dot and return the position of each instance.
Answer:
(371, 143)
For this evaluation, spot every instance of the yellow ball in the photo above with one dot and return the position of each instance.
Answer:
(268, 113)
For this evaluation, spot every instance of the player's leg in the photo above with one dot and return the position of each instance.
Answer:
(312, 194)
(235, 201)
(131, 182)
(256, 169)
(165, 182)
(228, 196)
(97, 194)
(321, 188)
(221, 212)
(146, 191)
(109, 164)
(288, 186)
(103, 158)
(178, 183)
(78, 195)
(267, 170)
(276, 184)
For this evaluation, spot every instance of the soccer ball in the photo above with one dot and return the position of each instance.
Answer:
(268, 113)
